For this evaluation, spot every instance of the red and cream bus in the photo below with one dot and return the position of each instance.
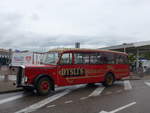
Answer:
(64, 67)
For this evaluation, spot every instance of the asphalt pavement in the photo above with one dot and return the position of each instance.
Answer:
(129, 96)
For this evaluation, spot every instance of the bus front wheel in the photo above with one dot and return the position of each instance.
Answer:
(109, 80)
(44, 86)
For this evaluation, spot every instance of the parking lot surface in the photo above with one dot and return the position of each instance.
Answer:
(128, 96)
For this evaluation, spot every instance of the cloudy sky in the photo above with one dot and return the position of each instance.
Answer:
(33, 24)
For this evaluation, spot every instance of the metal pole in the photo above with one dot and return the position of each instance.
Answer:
(77, 45)
(10, 56)
(137, 59)
(124, 50)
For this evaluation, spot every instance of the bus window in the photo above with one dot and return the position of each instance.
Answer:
(125, 59)
(78, 58)
(95, 58)
(66, 58)
(108, 58)
(81, 58)
(86, 58)
(121, 59)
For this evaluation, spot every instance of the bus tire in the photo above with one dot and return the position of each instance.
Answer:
(44, 86)
(109, 80)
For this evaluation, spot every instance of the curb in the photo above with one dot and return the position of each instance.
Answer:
(11, 91)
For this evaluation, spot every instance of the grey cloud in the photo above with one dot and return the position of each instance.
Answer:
(97, 23)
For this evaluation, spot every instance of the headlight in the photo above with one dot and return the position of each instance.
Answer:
(25, 79)
(22, 66)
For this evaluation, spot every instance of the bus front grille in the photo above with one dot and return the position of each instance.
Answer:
(19, 76)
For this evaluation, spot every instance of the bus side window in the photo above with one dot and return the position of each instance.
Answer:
(121, 59)
(81, 58)
(108, 58)
(125, 60)
(104, 59)
(66, 59)
(86, 58)
(95, 58)
(78, 58)
(117, 59)
(99, 58)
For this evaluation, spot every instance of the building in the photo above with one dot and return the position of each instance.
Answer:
(5, 56)
(136, 48)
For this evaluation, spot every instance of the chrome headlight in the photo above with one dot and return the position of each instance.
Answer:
(25, 78)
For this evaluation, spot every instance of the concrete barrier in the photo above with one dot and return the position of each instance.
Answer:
(7, 70)
(7, 79)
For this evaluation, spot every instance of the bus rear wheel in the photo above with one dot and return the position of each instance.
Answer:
(44, 86)
(109, 80)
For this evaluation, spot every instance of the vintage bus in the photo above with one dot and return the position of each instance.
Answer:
(64, 67)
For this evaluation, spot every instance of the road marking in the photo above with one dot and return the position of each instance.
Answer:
(97, 91)
(51, 106)
(67, 102)
(83, 98)
(43, 102)
(118, 82)
(127, 85)
(48, 100)
(69, 87)
(147, 83)
(61, 88)
(11, 98)
(119, 109)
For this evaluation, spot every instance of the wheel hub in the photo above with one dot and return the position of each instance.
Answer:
(45, 85)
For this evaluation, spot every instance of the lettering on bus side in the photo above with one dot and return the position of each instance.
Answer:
(72, 72)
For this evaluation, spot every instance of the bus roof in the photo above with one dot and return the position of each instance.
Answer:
(61, 50)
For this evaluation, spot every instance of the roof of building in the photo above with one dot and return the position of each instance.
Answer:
(143, 45)
(128, 45)
(3, 50)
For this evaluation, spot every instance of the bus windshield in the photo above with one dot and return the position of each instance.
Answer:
(51, 58)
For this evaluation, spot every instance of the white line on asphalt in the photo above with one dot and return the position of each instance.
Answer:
(97, 91)
(21, 95)
(51, 106)
(147, 83)
(69, 87)
(69, 101)
(119, 109)
(61, 88)
(47, 100)
(123, 107)
(83, 98)
(127, 85)
(11, 98)
(43, 102)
